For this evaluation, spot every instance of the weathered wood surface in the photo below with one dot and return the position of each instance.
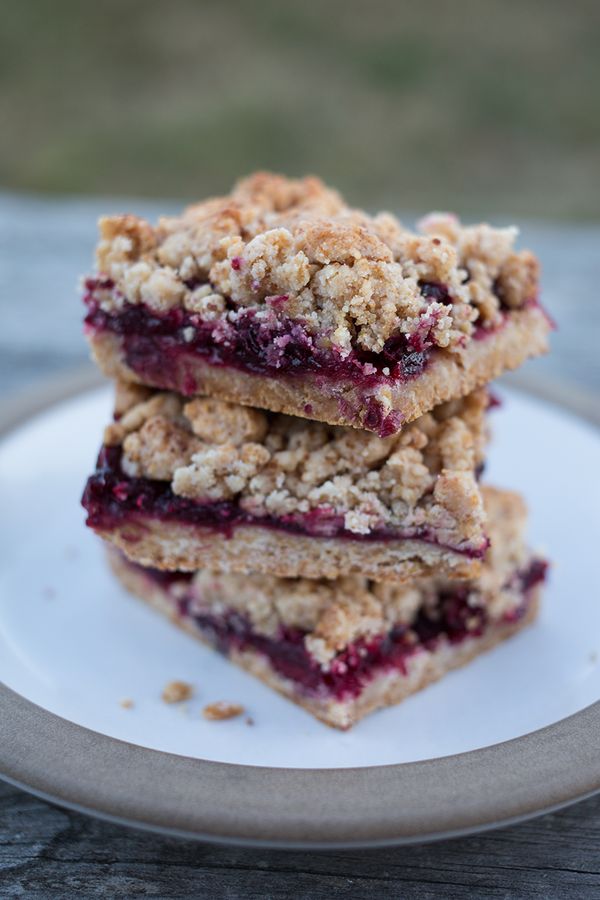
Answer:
(49, 852)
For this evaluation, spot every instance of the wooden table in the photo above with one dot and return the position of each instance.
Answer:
(49, 852)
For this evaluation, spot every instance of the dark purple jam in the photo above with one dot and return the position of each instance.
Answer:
(452, 619)
(348, 672)
(436, 292)
(494, 400)
(534, 575)
(112, 498)
(264, 343)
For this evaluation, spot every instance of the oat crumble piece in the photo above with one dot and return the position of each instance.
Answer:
(128, 395)
(177, 692)
(221, 709)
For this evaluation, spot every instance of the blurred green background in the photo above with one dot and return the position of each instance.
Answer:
(488, 108)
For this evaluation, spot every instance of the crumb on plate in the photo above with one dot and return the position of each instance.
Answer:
(177, 691)
(221, 709)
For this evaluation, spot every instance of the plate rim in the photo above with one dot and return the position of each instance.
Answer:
(228, 803)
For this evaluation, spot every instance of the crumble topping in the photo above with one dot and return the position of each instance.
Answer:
(221, 709)
(177, 692)
(128, 395)
(295, 247)
(337, 613)
(278, 465)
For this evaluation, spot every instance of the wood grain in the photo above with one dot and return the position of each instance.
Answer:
(50, 852)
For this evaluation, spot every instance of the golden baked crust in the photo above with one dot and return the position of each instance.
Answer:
(275, 465)
(352, 278)
(172, 547)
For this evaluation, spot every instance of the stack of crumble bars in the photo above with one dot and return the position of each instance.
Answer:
(292, 473)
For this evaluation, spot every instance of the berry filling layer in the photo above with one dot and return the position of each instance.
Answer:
(161, 348)
(263, 341)
(112, 499)
(453, 619)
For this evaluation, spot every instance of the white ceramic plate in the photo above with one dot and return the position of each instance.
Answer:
(73, 642)
(72, 645)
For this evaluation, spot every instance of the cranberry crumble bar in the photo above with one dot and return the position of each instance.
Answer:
(204, 483)
(280, 296)
(344, 648)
